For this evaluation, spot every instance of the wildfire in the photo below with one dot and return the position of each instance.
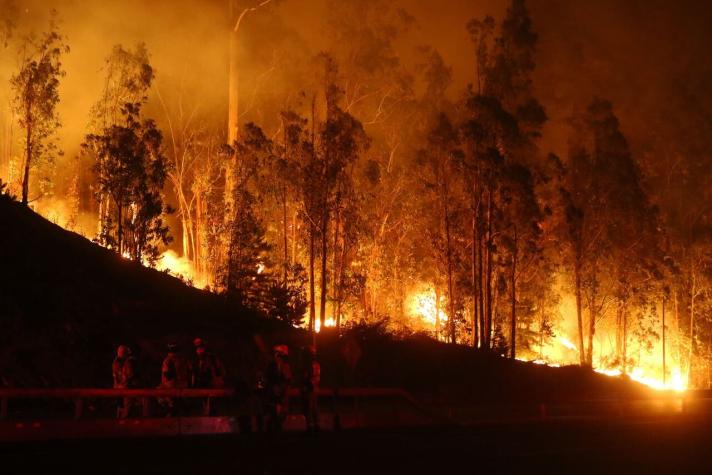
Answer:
(649, 376)
(177, 266)
(675, 383)
(329, 322)
(424, 306)
(644, 364)
(567, 343)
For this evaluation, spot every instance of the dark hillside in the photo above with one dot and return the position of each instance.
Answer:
(65, 303)
(447, 374)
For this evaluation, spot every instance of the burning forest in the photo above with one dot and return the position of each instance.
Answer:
(516, 177)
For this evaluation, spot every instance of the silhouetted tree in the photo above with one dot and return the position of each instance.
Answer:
(132, 172)
(36, 95)
(128, 77)
(286, 300)
(246, 276)
(612, 230)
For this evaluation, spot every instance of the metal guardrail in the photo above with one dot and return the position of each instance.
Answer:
(79, 395)
(69, 393)
(145, 395)
(343, 408)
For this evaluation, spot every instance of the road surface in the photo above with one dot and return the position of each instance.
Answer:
(666, 445)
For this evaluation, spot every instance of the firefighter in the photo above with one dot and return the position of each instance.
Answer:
(311, 377)
(124, 374)
(207, 371)
(277, 380)
(175, 374)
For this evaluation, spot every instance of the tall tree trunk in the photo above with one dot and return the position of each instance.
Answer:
(230, 212)
(488, 276)
(120, 228)
(450, 290)
(199, 261)
(473, 283)
(285, 226)
(28, 157)
(593, 315)
(437, 313)
(232, 123)
(185, 241)
(186, 222)
(513, 330)
(285, 232)
(234, 80)
(340, 287)
(397, 285)
(312, 310)
(474, 276)
(693, 294)
(103, 206)
(579, 310)
(334, 263)
(324, 276)
(294, 237)
(495, 305)
(312, 232)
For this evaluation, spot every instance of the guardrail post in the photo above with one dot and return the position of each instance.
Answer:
(78, 408)
(3, 409)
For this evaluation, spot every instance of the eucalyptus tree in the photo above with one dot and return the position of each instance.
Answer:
(502, 165)
(132, 173)
(612, 230)
(35, 89)
(128, 76)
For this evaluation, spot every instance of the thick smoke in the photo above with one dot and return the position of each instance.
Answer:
(638, 53)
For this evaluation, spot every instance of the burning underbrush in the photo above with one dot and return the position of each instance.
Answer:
(425, 313)
(73, 301)
(654, 362)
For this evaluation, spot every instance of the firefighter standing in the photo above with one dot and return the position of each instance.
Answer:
(311, 377)
(207, 371)
(277, 381)
(175, 374)
(124, 375)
